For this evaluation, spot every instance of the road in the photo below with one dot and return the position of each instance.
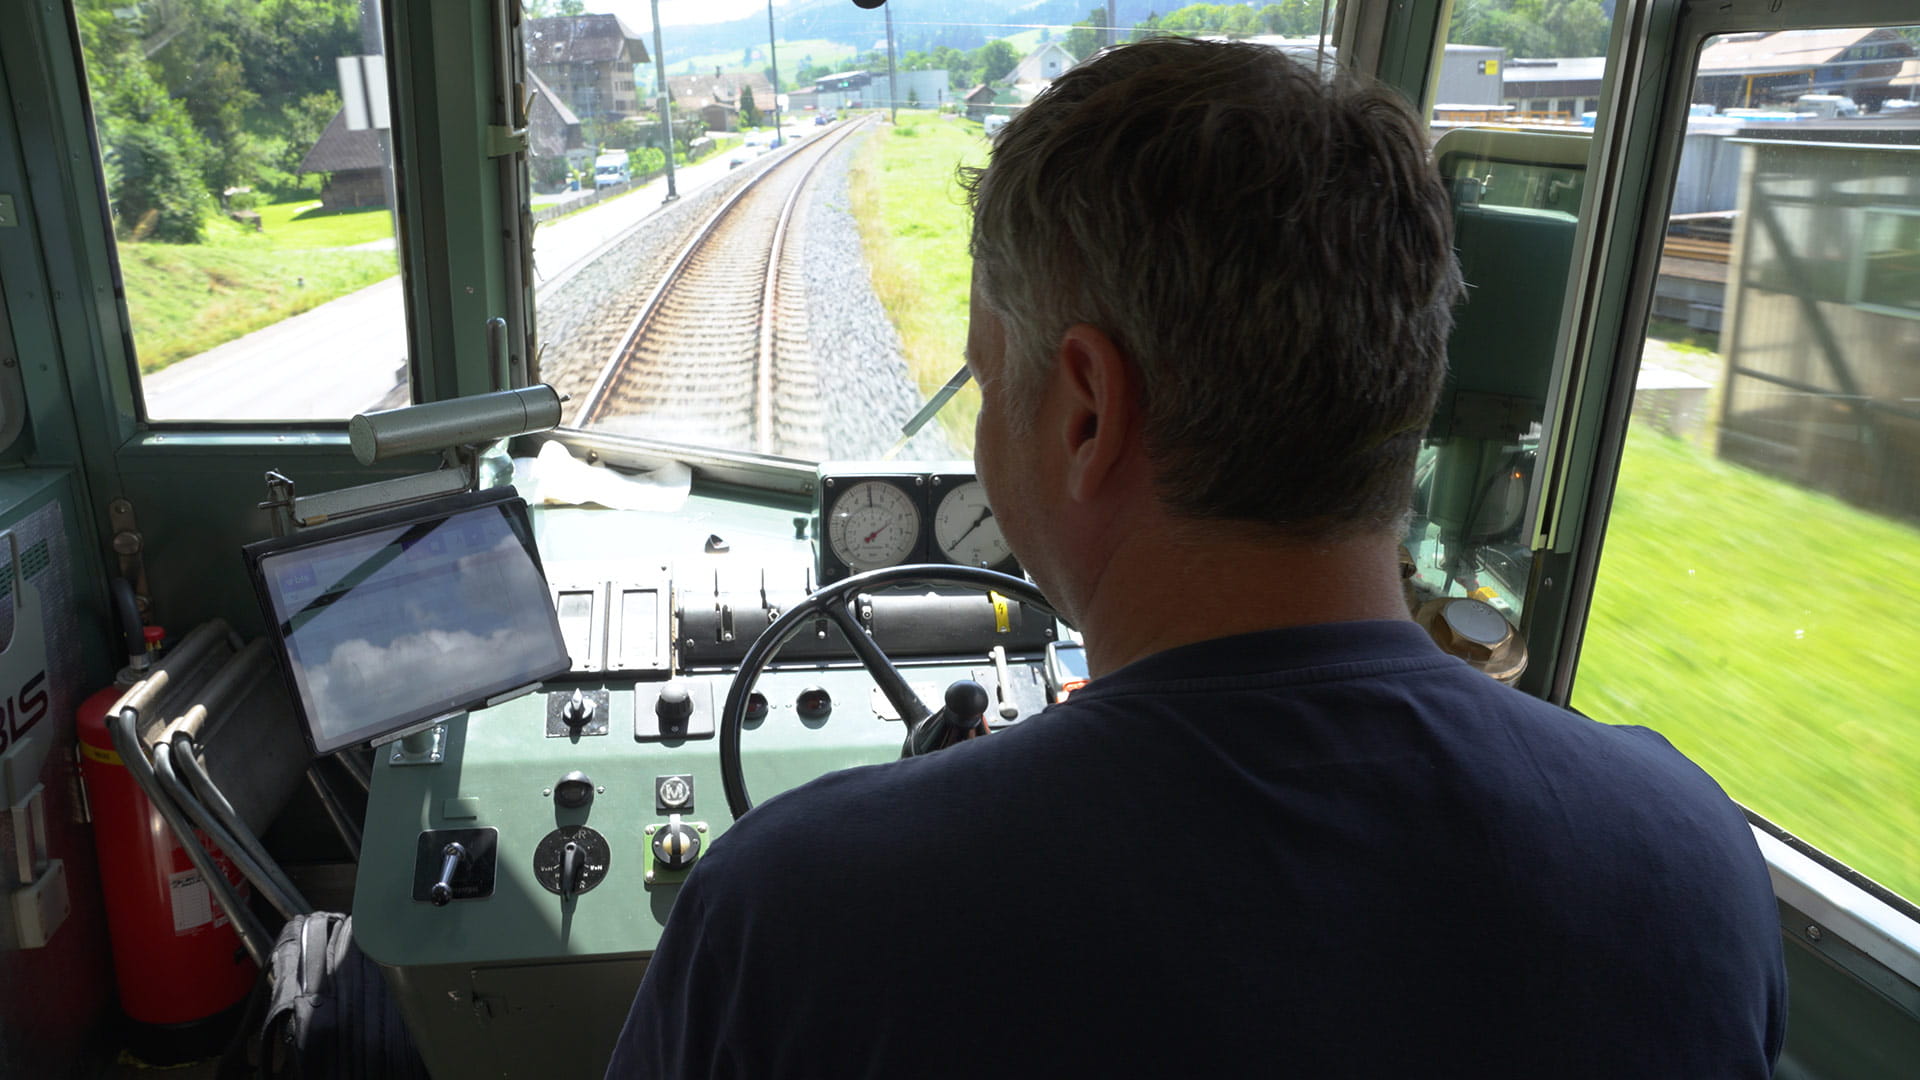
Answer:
(343, 356)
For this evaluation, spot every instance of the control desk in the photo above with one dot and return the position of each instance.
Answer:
(520, 860)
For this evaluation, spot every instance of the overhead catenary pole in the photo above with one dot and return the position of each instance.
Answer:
(893, 91)
(773, 58)
(1113, 23)
(666, 113)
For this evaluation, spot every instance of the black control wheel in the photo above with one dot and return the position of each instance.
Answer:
(835, 602)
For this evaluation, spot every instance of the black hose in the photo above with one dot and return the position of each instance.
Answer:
(126, 606)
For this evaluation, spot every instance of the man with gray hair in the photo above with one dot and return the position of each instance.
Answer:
(1280, 833)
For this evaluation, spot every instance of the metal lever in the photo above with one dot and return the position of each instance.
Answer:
(569, 870)
(442, 892)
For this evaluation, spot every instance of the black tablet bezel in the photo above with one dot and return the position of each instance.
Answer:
(509, 503)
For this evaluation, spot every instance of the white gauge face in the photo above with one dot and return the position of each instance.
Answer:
(966, 530)
(873, 524)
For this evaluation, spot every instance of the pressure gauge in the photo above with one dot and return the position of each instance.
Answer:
(965, 529)
(871, 524)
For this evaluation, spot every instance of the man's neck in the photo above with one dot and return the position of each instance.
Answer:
(1158, 592)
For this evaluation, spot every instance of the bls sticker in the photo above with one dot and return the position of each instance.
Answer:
(22, 711)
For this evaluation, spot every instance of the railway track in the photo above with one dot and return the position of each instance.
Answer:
(717, 355)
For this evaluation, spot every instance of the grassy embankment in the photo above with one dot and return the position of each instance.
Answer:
(914, 223)
(1767, 631)
(184, 299)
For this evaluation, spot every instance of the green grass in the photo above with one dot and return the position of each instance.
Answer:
(1770, 633)
(184, 299)
(306, 225)
(914, 223)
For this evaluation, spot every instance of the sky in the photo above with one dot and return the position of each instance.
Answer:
(637, 14)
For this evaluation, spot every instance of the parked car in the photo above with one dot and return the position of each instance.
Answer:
(610, 169)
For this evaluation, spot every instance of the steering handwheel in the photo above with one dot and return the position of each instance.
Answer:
(835, 602)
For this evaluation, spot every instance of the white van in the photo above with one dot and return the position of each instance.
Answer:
(991, 125)
(610, 169)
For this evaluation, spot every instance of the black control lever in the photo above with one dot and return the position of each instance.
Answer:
(452, 856)
(570, 865)
(963, 714)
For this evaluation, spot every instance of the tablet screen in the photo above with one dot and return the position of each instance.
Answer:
(385, 627)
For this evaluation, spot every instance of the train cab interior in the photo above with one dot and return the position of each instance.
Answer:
(480, 598)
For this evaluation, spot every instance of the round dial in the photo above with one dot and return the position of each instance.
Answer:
(966, 530)
(874, 524)
(571, 851)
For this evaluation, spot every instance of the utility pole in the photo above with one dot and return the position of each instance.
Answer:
(1113, 23)
(666, 110)
(773, 54)
(893, 89)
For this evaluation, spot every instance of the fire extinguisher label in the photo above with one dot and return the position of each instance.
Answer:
(192, 901)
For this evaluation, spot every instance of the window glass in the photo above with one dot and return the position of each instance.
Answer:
(866, 314)
(1756, 595)
(245, 147)
(1513, 115)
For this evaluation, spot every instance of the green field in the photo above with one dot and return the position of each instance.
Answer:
(1769, 632)
(184, 299)
(792, 55)
(914, 223)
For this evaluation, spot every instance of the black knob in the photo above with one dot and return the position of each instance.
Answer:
(673, 708)
(574, 791)
(675, 846)
(814, 703)
(578, 710)
(966, 705)
(451, 857)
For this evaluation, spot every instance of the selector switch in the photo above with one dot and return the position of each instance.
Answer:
(572, 714)
(675, 845)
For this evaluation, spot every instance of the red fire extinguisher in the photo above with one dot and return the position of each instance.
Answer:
(177, 957)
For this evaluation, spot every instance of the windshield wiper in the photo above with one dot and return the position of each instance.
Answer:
(930, 410)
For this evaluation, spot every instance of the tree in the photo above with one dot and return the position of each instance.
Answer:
(749, 113)
(996, 59)
(1087, 35)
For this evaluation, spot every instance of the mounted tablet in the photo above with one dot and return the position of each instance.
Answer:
(394, 618)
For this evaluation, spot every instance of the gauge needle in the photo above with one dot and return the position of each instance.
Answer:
(971, 529)
(875, 533)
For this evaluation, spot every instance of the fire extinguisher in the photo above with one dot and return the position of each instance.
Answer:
(178, 960)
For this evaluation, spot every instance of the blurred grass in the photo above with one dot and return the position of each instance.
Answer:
(184, 299)
(1770, 633)
(914, 223)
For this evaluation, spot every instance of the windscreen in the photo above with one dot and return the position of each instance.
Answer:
(392, 625)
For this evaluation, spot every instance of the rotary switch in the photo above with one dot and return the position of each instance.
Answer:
(675, 845)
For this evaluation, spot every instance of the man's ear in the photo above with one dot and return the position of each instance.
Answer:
(1099, 420)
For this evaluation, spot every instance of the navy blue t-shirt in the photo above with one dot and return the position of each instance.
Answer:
(1319, 851)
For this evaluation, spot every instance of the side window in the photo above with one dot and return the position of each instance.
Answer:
(246, 153)
(1756, 600)
(1513, 148)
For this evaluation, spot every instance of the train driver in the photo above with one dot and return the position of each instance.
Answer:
(1280, 833)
